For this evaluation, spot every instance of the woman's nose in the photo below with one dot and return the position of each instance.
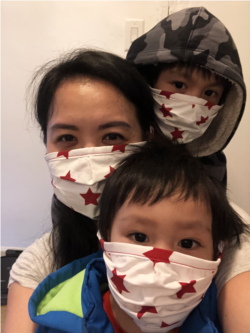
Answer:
(87, 143)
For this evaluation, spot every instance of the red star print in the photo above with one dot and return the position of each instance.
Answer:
(119, 147)
(52, 183)
(167, 94)
(118, 281)
(64, 153)
(144, 309)
(209, 105)
(202, 121)
(158, 255)
(176, 134)
(166, 111)
(67, 177)
(72, 208)
(166, 325)
(111, 170)
(186, 288)
(90, 197)
(193, 105)
(202, 296)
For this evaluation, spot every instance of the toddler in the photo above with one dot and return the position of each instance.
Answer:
(162, 232)
(192, 65)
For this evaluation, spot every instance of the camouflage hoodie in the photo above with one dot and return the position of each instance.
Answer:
(195, 35)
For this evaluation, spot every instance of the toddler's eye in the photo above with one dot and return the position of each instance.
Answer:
(209, 93)
(188, 243)
(140, 238)
(179, 85)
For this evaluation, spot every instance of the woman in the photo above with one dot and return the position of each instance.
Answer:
(74, 235)
(87, 99)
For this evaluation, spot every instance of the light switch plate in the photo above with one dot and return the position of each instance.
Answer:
(134, 28)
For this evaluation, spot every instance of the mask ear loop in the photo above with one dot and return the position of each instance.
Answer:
(150, 134)
(100, 240)
(221, 248)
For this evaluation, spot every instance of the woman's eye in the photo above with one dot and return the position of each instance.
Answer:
(209, 93)
(140, 238)
(67, 138)
(179, 85)
(113, 137)
(188, 243)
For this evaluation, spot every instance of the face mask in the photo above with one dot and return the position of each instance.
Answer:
(157, 288)
(183, 118)
(79, 175)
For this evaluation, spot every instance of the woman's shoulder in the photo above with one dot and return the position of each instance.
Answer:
(235, 258)
(34, 263)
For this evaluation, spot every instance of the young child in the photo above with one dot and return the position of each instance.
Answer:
(192, 65)
(162, 231)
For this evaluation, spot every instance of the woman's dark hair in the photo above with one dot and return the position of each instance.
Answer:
(155, 172)
(96, 65)
(73, 234)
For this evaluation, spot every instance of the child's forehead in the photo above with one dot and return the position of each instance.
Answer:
(192, 70)
(174, 204)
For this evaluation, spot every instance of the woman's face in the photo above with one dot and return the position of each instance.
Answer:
(90, 113)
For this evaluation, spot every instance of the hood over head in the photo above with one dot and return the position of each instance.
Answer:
(194, 35)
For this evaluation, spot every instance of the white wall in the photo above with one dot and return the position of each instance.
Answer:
(34, 32)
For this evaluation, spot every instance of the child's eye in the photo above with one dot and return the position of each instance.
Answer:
(179, 85)
(140, 238)
(209, 93)
(66, 138)
(188, 243)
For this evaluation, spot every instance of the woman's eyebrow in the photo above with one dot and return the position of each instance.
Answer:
(63, 126)
(114, 124)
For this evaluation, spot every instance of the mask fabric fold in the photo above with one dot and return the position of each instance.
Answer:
(181, 117)
(157, 288)
(79, 175)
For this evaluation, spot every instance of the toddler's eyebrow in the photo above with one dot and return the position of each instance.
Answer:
(186, 225)
(191, 225)
(137, 219)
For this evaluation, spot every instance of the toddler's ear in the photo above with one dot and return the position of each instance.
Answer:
(151, 134)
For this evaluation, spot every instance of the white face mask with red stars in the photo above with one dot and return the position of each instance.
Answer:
(157, 288)
(79, 175)
(183, 118)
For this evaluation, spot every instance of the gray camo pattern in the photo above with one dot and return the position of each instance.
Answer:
(190, 35)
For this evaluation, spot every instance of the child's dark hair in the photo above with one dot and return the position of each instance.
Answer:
(152, 72)
(155, 172)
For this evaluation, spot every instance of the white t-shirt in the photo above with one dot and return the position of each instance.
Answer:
(35, 263)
